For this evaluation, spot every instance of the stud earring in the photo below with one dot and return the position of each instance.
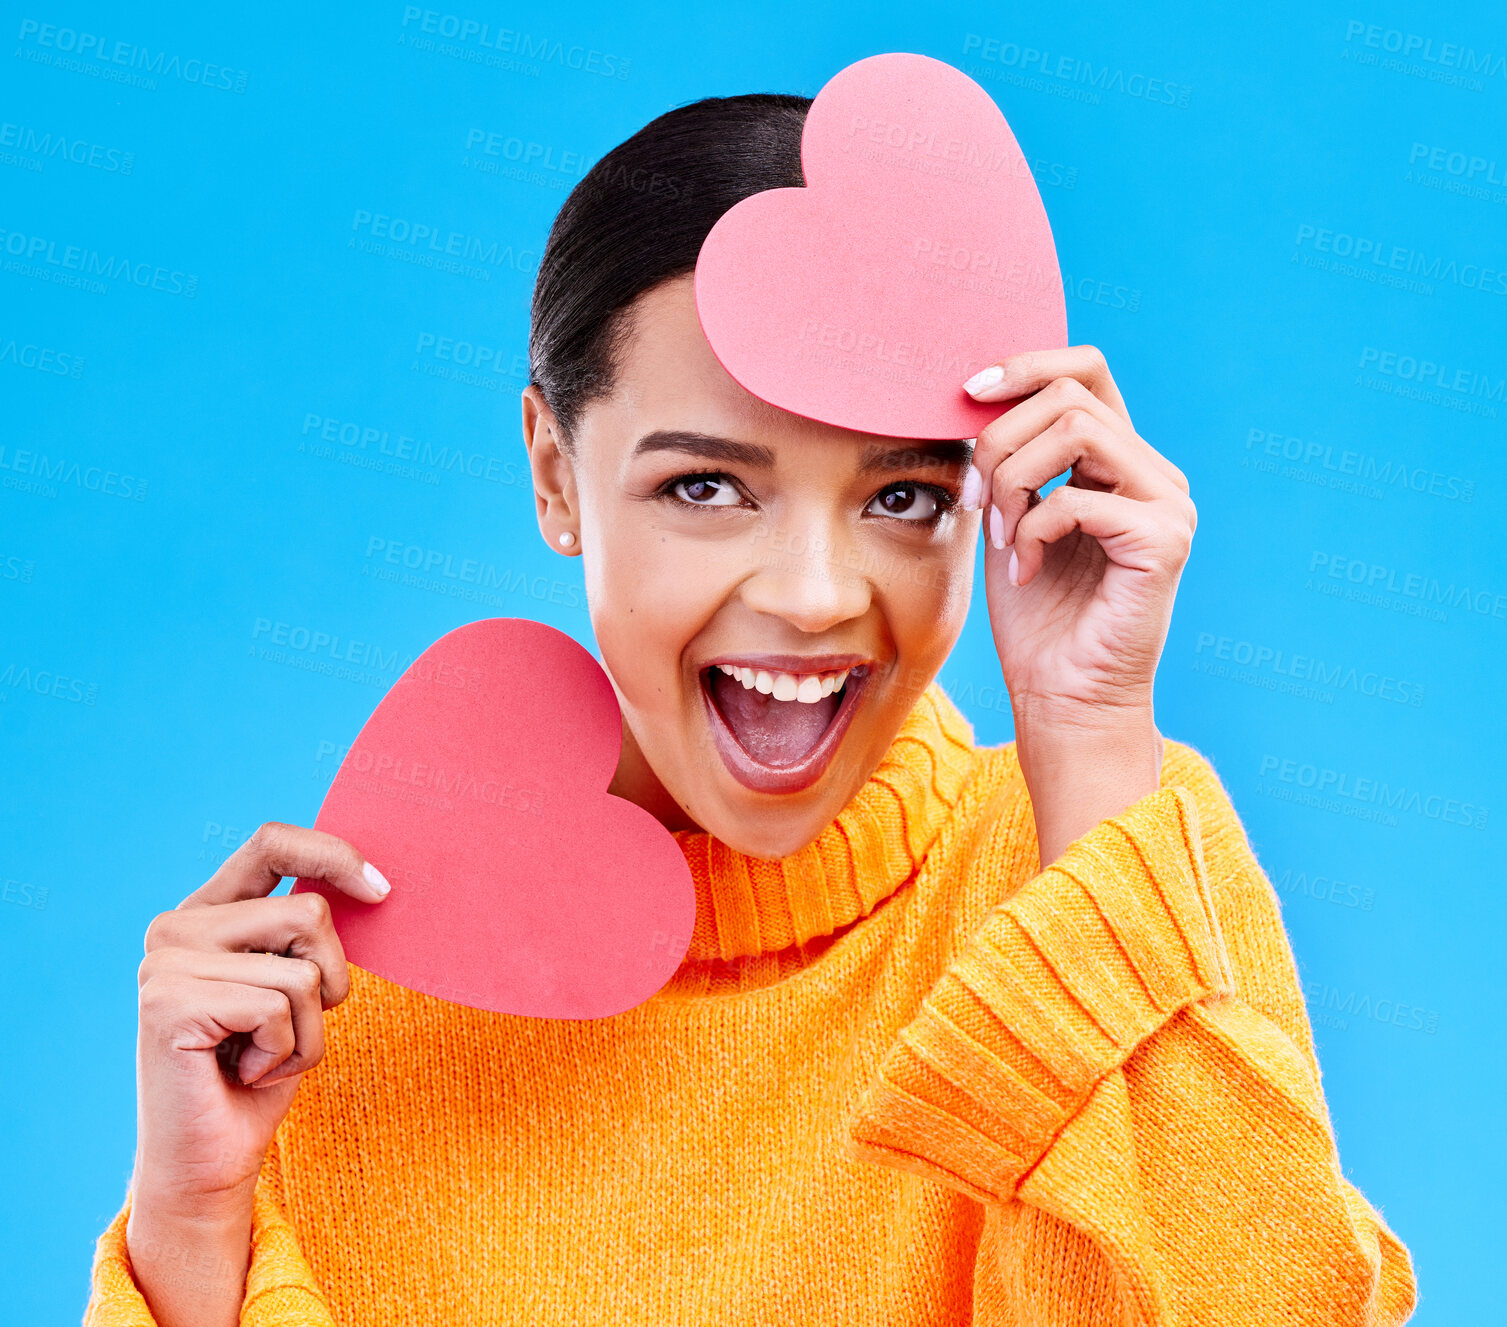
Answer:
(567, 539)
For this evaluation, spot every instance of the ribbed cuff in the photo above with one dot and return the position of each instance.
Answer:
(281, 1290)
(115, 1300)
(1057, 989)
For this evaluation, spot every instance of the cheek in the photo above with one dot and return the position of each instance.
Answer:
(648, 597)
(927, 603)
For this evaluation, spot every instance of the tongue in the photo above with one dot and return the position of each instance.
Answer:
(774, 732)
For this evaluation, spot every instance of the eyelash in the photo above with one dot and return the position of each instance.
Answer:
(945, 498)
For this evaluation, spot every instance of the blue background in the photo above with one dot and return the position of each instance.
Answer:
(195, 502)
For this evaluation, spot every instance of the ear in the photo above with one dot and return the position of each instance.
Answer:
(554, 475)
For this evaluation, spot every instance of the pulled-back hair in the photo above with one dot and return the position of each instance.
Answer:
(638, 218)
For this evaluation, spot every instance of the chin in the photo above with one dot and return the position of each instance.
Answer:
(770, 834)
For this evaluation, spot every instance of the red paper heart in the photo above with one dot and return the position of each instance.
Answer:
(918, 253)
(478, 787)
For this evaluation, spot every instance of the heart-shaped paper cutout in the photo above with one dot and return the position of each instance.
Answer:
(918, 253)
(478, 787)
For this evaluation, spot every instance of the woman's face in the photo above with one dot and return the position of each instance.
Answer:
(770, 595)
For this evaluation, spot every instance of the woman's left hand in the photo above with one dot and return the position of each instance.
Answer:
(1080, 584)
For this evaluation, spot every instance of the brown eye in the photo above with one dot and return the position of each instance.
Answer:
(906, 502)
(705, 491)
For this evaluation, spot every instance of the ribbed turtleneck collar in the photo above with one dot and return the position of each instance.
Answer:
(747, 906)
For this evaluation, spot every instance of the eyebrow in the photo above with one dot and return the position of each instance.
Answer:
(958, 452)
(711, 447)
(705, 445)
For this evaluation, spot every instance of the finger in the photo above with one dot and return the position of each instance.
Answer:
(294, 925)
(299, 980)
(191, 1015)
(1096, 454)
(1146, 536)
(1013, 430)
(1022, 374)
(258, 866)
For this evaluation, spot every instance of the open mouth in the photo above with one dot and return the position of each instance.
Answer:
(777, 721)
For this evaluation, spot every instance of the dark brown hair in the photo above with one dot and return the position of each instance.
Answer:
(638, 218)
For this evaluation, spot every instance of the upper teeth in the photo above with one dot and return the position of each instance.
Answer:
(807, 688)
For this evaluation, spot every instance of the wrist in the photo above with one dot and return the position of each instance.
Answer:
(1050, 736)
(1081, 769)
(209, 1213)
(1131, 708)
(188, 1205)
(189, 1263)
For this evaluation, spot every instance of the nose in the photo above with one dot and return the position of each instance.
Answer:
(809, 577)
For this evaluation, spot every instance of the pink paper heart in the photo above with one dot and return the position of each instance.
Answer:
(478, 787)
(918, 253)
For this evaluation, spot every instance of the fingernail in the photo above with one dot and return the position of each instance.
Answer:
(984, 379)
(973, 489)
(376, 880)
(1014, 568)
(996, 528)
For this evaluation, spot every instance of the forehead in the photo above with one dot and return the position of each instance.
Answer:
(665, 364)
(668, 377)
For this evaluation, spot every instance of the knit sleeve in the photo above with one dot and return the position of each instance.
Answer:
(281, 1290)
(1118, 1065)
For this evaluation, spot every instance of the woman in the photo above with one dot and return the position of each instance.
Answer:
(996, 1035)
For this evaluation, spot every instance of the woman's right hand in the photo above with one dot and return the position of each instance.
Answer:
(229, 960)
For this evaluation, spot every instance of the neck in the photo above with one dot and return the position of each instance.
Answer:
(635, 781)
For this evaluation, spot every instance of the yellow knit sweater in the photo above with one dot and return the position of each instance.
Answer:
(903, 1077)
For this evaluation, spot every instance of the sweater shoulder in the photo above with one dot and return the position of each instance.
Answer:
(1185, 766)
(992, 822)
(988, 848)
(1242, 892)
(1247, 906)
